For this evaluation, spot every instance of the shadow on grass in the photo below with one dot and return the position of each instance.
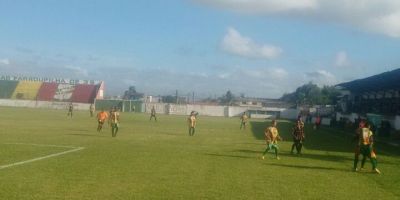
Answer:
(257, 128)
(322, 157)
(327, 157)
(333, 139)
(309, 167)
(323, 139)
(384, 149)
(229, 156)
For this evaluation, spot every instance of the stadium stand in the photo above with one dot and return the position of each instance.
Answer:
(84, 93)
(7, 88)
(378, 94)
(47, 91)
(26, 90)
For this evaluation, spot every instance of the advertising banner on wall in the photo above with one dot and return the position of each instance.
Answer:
(64, 92)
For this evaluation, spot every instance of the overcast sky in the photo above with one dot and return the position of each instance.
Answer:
(262, 48)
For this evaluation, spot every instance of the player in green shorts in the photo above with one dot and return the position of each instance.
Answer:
(153, 114)
(192, 123)
(70, 109)
(244, 118)
(114, 122)
(271, 138)
(366, 142)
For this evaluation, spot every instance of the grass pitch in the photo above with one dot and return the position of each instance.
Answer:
(158, 160)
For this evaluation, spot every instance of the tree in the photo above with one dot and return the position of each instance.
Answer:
(131, 94)
(311, 94)
(227, 99)
(330, 94)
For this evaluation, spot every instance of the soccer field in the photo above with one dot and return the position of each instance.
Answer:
(45, 155)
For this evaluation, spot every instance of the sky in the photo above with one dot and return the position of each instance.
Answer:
(259, 48)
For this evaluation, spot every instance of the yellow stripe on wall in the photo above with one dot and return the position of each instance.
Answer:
(26, 90)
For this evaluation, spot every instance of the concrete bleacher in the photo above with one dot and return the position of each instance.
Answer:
(47, 91)
(26, 90)
(19, 92)
(7, 88)
(84, 93)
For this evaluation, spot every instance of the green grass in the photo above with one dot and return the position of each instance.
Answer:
(150, 160)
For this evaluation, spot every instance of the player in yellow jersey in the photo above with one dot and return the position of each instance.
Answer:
(244, 118)
(366, 142)
(192, 123)
(114, 118)
(271, 138)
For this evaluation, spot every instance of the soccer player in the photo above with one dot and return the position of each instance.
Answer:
(153, 114)
(114, 122)
(356, 139)
(70, 109)
(109, 114)
(298, 137)
(244, 118)
(192, 123)
(366, 142)
(91, 110)
(317, 122)
(271, 138)
(101, 118)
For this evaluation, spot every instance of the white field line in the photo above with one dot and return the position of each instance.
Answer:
(43, 157)
(42, 145)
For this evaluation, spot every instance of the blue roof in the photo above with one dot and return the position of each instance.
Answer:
(381, 82)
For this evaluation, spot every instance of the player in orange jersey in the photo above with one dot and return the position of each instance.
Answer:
(101, 118)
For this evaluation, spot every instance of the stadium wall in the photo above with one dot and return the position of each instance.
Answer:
(207, 110)
(236, 111)
(218, 111)
(123, 105)
(394, 121)
(42, 104)
(159, 107)
(290, 113)
(176, 109)
(397, 122)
